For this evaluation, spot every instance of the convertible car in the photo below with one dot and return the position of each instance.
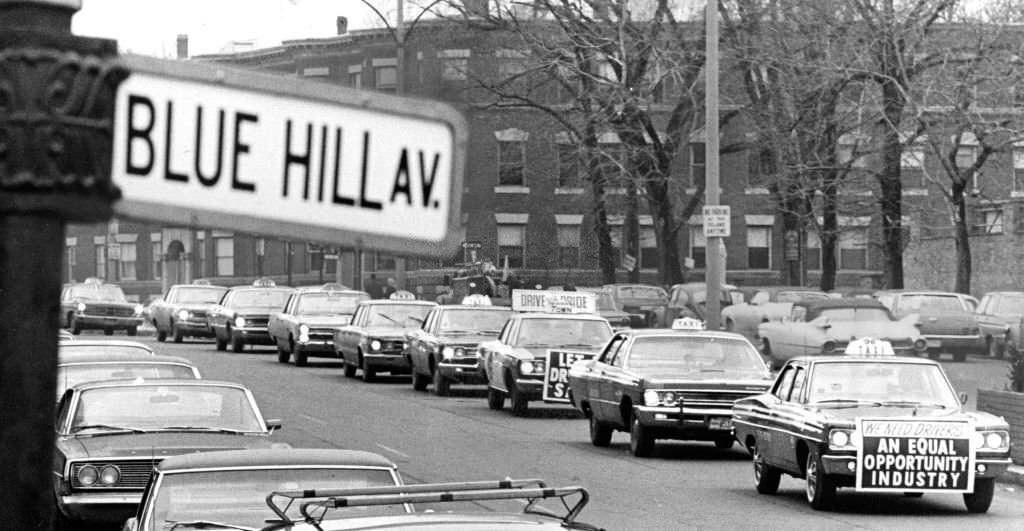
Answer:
(827, 326)
(765, 304)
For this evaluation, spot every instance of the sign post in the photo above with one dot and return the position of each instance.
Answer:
(57, 123)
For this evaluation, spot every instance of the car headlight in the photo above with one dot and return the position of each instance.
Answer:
(303, 333)
(829, 346)
(651, 398)
(183, 315)
(447, 352)
(375, 345)
(840, 439)
(109, 475)
(138, 309)
(661, 398)
(994, 440)
(88, 475)
(81, 306)
(526, 367)
(920, 345)
(240, 322)
(460, 352)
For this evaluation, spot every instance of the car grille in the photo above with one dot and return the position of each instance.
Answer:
(256, 322)
(321, 334)
(714, 397)
(134, 473)
(197, 314)
(391, 346)
(110, 311)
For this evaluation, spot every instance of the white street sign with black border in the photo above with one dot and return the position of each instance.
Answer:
(717, 221)
(207, 145)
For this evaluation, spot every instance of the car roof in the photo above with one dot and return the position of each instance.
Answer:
(198, 286)
(431, 521)
(132, 357)
(840, 358)
(668, 332)
(485, 307)
(1005, 292)
(397, 302)
(112, 343)
(274, 457)
(542, 315)
(815, 305)
(922, 292)
(157, 382)
(245, 287)
(321, 289)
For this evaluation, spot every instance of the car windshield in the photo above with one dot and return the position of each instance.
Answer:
(881, 382)
(239, 497)
(793, 296)
(199, 295)
(70, 375)
(474, 320)
(641, 292)
(397, 315)
(856, 315)
(931, 303)
(268, 299)
(1012, 303)
(327, 303)
(98, 293)
(154, 407)
(694, 354)
(563, 332)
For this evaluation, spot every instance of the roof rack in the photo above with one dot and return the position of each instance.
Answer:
(533, 490)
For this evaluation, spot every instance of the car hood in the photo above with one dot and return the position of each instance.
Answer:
(652, 303)
(193, 306)
(254, 311)
(157, 444)
(385, 332)
(464, 339)
(542, 352)
(754, 381)
(321, 321)
(846, 331)
(848, 415)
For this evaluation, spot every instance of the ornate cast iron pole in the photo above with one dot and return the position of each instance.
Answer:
(56, 123)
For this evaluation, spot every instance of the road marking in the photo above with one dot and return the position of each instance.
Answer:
(314, 419)
(392, 450)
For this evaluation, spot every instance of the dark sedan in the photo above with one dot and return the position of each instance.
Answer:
(242, 315)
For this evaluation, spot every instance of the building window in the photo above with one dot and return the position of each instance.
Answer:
(156, 246)
(384, 262)
(697, 164)
(988, 221)
(511, 163)
(454, 64)
(568, 166)
(648, 248)
(127, 262)
(759, 247)
(613, 161)
(512, 245)
(224, 250)
(71, 257)
(853, 248)
(355, 76)
(511, 65)
(812, 254)
(698, 246)
(385, 77)
(101, 261)
(569, 246)
(1018, 170)
(760, 166)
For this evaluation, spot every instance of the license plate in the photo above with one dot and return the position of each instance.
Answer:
(720, 423)
(934, 343)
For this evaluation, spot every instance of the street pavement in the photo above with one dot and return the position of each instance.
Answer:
(683, 486)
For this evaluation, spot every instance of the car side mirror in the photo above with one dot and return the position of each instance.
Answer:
(273, 424)
(963, 397)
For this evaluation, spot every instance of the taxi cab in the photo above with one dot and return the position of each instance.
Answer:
(874, 422)
(95, 304)
(374, 340)
(677, 383)
(549, 326)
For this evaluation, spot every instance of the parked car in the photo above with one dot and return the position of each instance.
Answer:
(111, 433)
(762, 305)
(98, 305)
(667, 384)
(690, 300)
(609, 308)
(444, 350)
(231, 487)
(514, 362)
(80, 368)
(1000, 316)
(305, 327)
(647, 305)
(242, 315)
(330, 514)
(374, 341)
(871, 423)
(182, 311)
(947, 320)
(828, 326)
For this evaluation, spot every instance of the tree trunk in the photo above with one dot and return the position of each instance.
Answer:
(828, 236)
(961, 236)
(606, 258)
(631, 238)
(891, 185)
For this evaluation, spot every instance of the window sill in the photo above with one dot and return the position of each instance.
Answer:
(568, 191)
(915, 191)
(511, 189)
(756, 191)
(1017, 193)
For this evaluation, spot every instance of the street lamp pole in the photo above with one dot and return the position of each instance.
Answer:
(715, 257)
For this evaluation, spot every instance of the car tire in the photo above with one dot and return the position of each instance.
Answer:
(641, 443)
(517, 402)
(495, 399)
(442, 385)
(960, 357)
(282, 355)
(132, 331)
(222, 344)
(300, 357)
(419, 381)
(980, 500)
(161, 335)
(766, 477)
(177, 334)
(600, 433)
(237, 343)
(348, 369)
(724, 442)
(369, 374)
(819, 489)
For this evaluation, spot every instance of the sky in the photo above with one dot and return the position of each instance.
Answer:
(151, 27)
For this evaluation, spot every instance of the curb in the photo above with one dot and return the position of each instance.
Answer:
(1014, 474)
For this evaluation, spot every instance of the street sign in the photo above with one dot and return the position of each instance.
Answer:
(206, 145)
(629, 262)
(717, 221)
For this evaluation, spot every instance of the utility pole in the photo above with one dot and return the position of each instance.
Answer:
(57, 120)
(715, 267)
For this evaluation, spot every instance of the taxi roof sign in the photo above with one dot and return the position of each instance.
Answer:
(688, 323)
(476, 299)
(528, 300)
(212, 145)
(264, 282)
(402, 295)
(869, 346)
